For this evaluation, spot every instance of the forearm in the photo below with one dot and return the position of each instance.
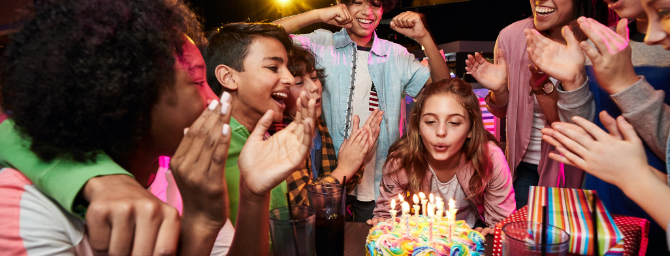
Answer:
(651, 194)
(577, 102)
(548, 104)
(197, 235)
(438, 67)
(295, 22)
(252, 228)
(500, 97)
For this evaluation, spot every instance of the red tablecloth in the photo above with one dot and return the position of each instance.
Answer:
(635, 232)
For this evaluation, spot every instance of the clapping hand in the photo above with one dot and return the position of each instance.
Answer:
(493, 76)
(611, 57)
(563, 62)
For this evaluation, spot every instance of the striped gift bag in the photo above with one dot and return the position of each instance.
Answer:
(570, 209)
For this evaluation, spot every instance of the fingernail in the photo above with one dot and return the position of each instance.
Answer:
(212, 105)
(225, 97)
(226, 129)
(185, 130)
(224, 108)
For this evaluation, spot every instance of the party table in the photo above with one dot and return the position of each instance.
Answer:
(635, 231)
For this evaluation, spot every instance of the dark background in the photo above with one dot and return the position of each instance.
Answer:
(474, 20)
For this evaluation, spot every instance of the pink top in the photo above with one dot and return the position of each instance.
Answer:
(512, 41)
(495, 204)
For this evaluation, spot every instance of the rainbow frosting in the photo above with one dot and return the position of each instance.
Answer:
(390, 239)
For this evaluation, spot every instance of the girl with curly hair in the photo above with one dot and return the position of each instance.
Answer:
(448, 152)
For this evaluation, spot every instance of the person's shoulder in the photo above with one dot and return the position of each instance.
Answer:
(512, 31)
(495, 152)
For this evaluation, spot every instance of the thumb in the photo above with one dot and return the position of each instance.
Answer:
(569, 37)
(622, 29)
(627, 130)
(262, 126)
(611, 124)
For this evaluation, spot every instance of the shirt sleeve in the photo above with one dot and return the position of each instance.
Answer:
(579, 102)
(312, 40)
(499, 199)
(61, 179)
(416, 74)
(644, 108)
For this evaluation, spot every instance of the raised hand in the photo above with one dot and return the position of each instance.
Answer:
(493, 76)
(615, 157)
(266, 163)
(410, 24)
(199, 162)
(563, 62)
(371, 126)
(352, 153)
(611, 58)
(337, 15)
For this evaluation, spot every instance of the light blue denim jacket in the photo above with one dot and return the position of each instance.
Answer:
(393, 71)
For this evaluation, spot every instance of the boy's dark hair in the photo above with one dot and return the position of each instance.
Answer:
(302, 61)
(386, 5)
(229, 45)
(82, 76)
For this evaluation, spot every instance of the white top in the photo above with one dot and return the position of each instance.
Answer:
(453, 189)
(365, 191)
(533, 153)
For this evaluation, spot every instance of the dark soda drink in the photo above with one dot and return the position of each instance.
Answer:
(329, 237)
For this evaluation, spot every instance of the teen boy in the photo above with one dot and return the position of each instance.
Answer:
(364, 73)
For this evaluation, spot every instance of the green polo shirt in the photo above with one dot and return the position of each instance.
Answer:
(239, 136)
(61, 179)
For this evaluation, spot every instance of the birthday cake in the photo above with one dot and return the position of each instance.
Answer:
(388, 238)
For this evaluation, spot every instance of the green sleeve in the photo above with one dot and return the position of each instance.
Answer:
(60, 179)
(238, 137)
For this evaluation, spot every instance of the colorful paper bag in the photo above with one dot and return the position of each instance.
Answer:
(570, 210)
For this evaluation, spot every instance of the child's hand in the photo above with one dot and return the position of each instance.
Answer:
(351, 154)
(266, 163)
(563, 62)
(199, 162)
(410, 24)
(484, 231)
(337, 15)
(375, 220)
(493, 76)
(371, 126)
(616, 158)
(611, 59)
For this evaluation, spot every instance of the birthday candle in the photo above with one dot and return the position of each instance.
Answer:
(416, 208)
(451, 217)
(393, 213)
(431, 209)
(423, 202)
(405, 211)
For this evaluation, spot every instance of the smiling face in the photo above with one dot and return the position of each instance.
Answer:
(366, 14)
(552, 15)
(311, 85)
(181, 104)
(264, 84)
(658, 15)
(627, 9)
(444, 126)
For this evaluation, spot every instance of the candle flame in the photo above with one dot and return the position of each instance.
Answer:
(392, 204)
(422, 195)
(452, 204)
(401, 199)
(405, 207)
(431, 197)
(416, 199)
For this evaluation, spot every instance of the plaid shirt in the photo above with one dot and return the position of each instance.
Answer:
(297, 182)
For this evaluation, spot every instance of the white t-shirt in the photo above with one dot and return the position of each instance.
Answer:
(363, 103)
(534, 151)
(453, 189)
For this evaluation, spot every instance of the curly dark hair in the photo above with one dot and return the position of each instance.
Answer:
(229, 45)
(82, 76)
(302, 61)
(387, 5)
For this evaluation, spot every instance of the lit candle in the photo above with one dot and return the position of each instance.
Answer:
(405, 214)
(393, 213)
(416, 208)
(423, 202)
(432, 198)
(431, 211)
(439, 205)
(452, 217)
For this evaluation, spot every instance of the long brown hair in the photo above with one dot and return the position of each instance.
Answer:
(411, 154)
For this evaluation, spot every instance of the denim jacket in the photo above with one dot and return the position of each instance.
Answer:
(393, 71)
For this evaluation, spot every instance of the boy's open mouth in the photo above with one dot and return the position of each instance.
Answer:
(365, 22)
(279, 97)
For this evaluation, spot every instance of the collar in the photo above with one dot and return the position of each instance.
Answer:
(342, 39)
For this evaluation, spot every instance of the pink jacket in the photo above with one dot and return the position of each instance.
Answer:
(519, 114)
(496, 203)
